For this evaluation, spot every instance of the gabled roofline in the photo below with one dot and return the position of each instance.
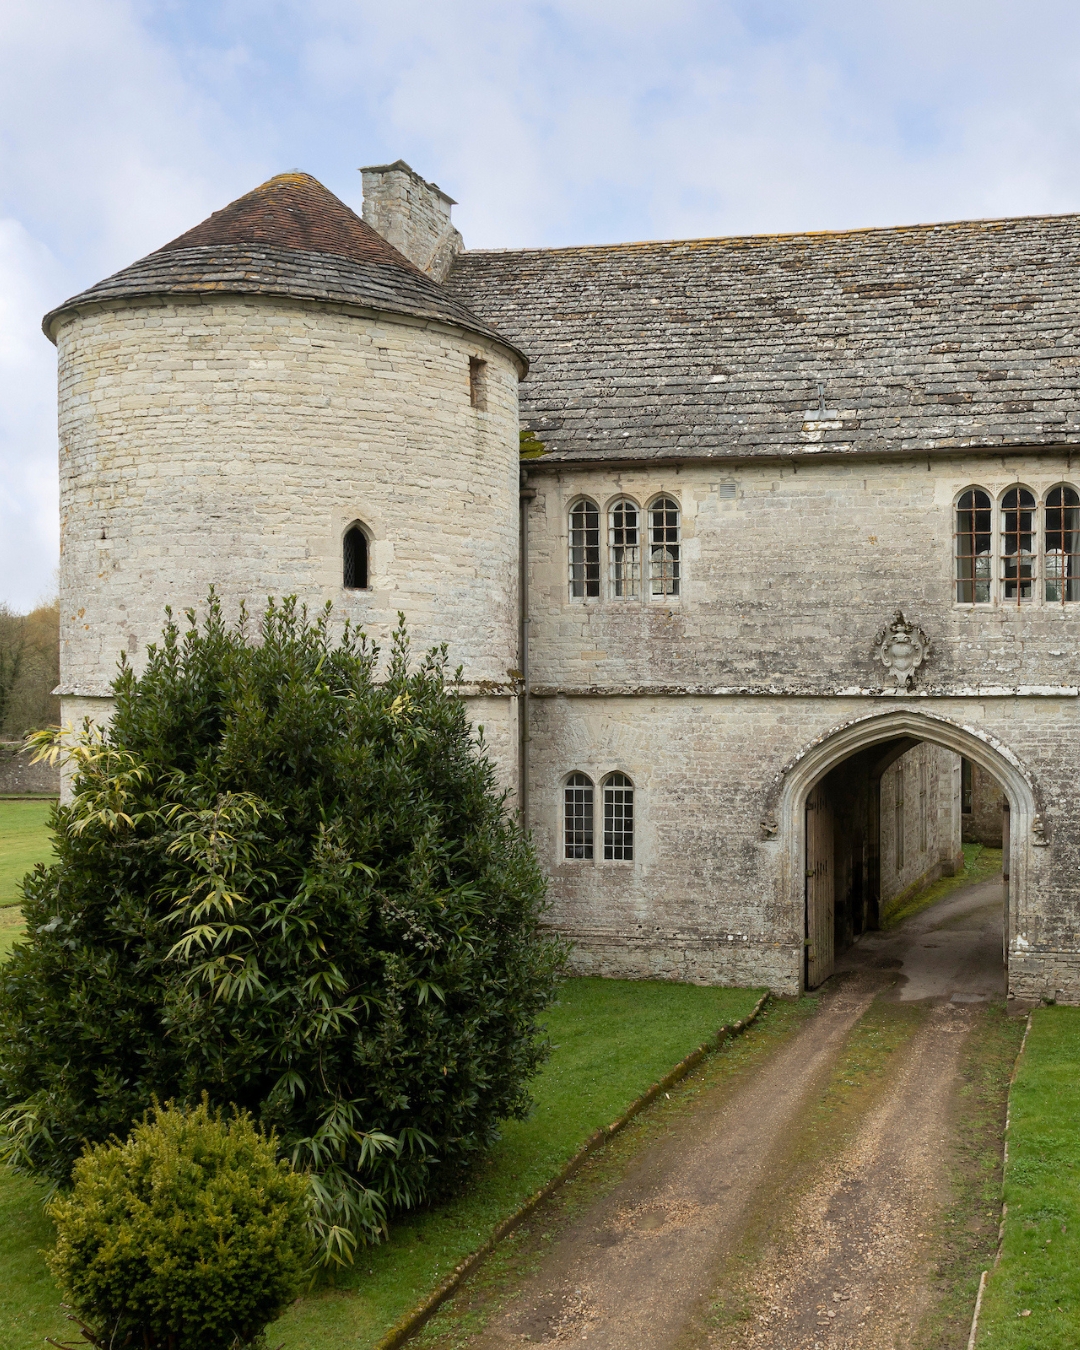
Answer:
(985, 222)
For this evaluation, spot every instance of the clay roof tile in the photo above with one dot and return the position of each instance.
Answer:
(292, 211)
(290, 237)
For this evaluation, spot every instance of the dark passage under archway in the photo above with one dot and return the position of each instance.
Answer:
(880, 827)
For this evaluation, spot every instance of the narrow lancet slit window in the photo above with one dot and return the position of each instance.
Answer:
(973, 547)
(477, 382)
(1062, 545)
(578, 817)
(665, 570)
(585, 550)
(1018, 545)
(624, 549)
(354, 559)
(618, 818)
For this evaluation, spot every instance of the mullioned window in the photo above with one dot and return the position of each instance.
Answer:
(1017, 550)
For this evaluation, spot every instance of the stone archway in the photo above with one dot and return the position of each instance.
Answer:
(904, 727)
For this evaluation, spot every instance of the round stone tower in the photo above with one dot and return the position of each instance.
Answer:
(280, 403)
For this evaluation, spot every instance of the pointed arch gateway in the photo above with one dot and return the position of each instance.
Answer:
(803, 820)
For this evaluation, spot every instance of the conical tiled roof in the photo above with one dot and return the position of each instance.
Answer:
(290, 236)
(295, 211)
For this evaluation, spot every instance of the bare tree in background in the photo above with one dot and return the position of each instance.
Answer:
(29, 670)
(12, 650)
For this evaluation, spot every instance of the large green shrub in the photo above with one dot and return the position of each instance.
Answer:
(189, 1235)
(295, 888)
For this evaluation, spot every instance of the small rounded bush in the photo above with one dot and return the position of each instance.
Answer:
(188, 1235)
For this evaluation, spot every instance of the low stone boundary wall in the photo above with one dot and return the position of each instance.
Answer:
(18, 777)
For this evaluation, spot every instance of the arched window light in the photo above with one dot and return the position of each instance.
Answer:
(665, 572)
(974, 541)
(585, 550)
(354, 559)
(624, 549)
(1062, 544)
(1018, 545)
(578, 817)
(618, 818)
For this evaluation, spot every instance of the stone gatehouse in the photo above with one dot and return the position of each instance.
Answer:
(795, 535)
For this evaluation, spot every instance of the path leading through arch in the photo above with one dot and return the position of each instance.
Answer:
(768, 1219)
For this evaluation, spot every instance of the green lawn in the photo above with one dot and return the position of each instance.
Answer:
(612, 1038)
(24, 841)
(1032, 1299)
(11, 926)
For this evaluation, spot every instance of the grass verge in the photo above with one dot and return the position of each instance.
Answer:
(1032, 1299)
(613, 1039)
(29, 1302)
(966, 1233)
(11, 927)
(980, 864)
(24, 841)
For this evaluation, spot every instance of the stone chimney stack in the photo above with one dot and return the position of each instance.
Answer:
(413, 215)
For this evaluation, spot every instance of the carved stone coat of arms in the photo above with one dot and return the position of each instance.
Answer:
(901, 648)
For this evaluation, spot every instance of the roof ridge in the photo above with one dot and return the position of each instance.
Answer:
(773, 236)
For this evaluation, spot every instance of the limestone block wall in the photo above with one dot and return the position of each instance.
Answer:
(920, 820)
(413, 215)
(715, 891)
(233, 440)
(18, 775)
(983, 823)
(789, 571)
(496, 717)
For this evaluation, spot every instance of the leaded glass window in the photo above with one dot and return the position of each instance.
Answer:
(1062, 545)
(578, 817)
(618, 818)
(1018, 545)
(624, 549)
(665, 573)
(974, 541)
(585, 550)
(354, 559)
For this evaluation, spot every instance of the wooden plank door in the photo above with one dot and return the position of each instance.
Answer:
(820, 897)
(1006, 868)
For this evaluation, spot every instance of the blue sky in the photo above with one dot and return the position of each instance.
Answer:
(575, 121)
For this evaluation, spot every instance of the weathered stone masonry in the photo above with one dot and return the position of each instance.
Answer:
(232, 439)
(814, 405)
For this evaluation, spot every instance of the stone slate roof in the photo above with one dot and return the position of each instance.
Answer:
(925, 338)
(291, 236)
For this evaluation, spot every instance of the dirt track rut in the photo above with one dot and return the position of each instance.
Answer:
(854, 1269)
(631, 1274)
(849, 1266)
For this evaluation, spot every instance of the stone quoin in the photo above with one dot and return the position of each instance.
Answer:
(791, 558)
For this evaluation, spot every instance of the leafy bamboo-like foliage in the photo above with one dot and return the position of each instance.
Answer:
(297, 889)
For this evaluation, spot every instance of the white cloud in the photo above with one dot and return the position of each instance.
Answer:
(580, 120)
(553, 121)
(28, 494)
(106, 152)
